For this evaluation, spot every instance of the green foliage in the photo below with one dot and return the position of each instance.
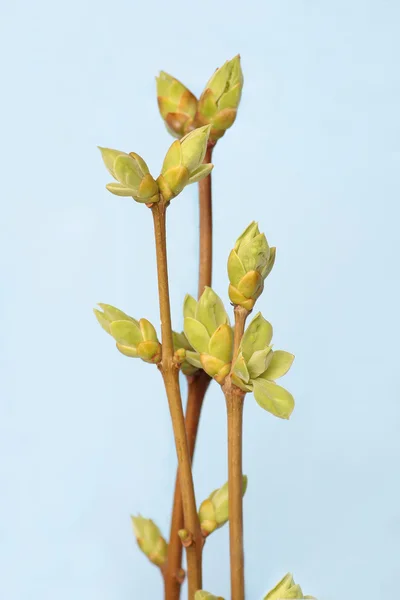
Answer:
(257, 366)
(183, 163)
(219, 102)
(249, 263)
(207, 328)
(177, 105)
(217, 106)
(132, 175)
(136, 339)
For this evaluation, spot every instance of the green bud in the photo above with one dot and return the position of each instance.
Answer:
(150, 540)
(214, 511)
(219, 102)
(177, 105)
(183, 163)
(207, 520)
(208, 330)
(214, 367)
(202, 595)
(257, 366)
(136, 339)
(132, 175)
(249, 263)
(286, 589)
(182, 348)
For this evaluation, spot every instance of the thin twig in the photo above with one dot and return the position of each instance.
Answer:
(197, 388)
(234, 405)
(171, 381)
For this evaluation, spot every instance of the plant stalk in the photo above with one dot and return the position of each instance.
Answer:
(197, 388)
(234, 406)
(171, 381)
(205, 225)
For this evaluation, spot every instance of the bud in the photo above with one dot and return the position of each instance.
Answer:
(214, 511)
(202, 595)
(219, 102)
(258, 366)
(208, 330)
(177, 105)
(183, 163)
(287, 589)
(182, 350)
(132, 175)
(137, 339)
(150, 540)
(249, 263)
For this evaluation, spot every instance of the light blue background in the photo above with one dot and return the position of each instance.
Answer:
(85, 435)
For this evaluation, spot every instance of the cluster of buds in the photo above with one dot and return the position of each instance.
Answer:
(183, 163)
(207, 328)
(219, 102)
(137, 339)
(150, 540)
(258, 366)
(182, 166)
(203, 595)
(287, 589)
(217, 106)
(177, 104)
(132, 176)
(249, 263)
(214, 511)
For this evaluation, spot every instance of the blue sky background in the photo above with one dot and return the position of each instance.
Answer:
(85, 436)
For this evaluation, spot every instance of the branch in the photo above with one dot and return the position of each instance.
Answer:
(171, 381)
(197, 388)
(234, 406)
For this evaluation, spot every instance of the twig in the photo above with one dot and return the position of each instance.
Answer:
(171, 381)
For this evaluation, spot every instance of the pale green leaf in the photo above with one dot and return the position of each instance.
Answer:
(236, 270)
(273, 398)
(259, 362)
(197, 334)
(201, 172)
(148, 331)
(221, 343)
(193, 358)
(257, 336)
(189, 306)
(126, 333)
(280, 364)
(240, 369)
(120, 190)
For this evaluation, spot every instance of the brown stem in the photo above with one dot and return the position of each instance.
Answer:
(205, 249)
(234, 405)
(171, 381)
(197, 387)
(241, 315)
